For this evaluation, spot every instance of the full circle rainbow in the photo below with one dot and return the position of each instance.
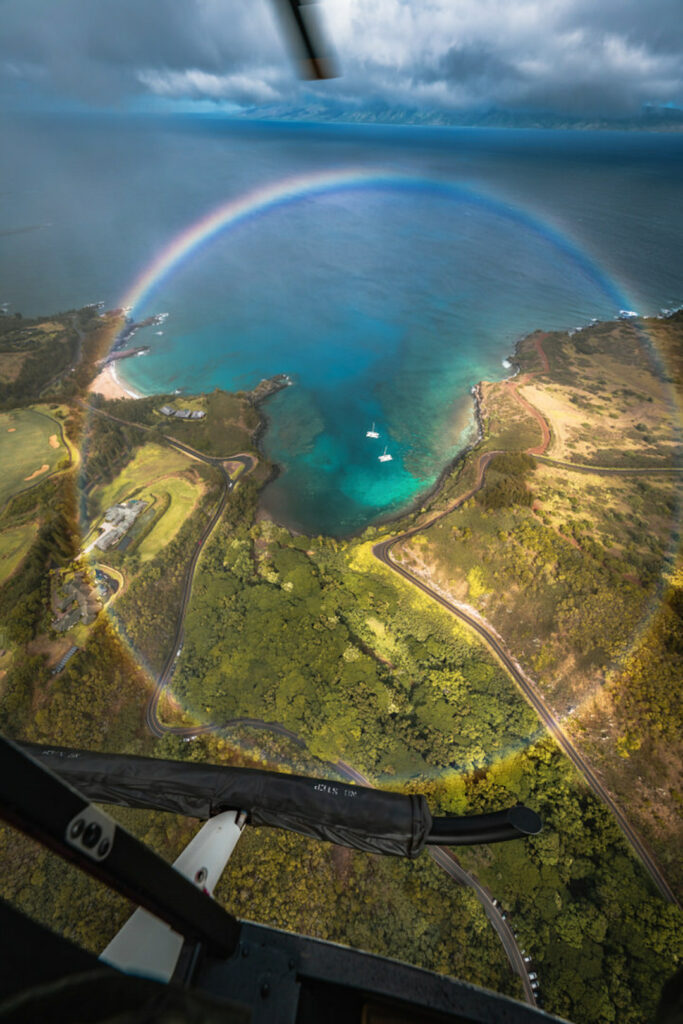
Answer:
(295, 189)
(266, 198)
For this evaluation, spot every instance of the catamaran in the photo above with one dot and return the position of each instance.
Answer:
(384, 457)
(372, 432)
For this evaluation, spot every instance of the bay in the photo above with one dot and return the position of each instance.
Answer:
(385, 303)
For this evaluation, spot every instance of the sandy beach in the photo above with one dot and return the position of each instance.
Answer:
(108, 384)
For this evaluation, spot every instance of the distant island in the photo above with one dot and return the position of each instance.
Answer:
(651, 118)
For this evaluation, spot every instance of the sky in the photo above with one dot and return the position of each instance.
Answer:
(571, 57)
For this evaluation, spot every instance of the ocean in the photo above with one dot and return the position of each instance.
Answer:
(385, 269)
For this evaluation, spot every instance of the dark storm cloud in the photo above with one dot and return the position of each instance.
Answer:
(98, 50)
(656, 24)
(568, 56)
(476, 64)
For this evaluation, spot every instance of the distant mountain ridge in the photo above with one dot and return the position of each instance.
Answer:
(669, 119)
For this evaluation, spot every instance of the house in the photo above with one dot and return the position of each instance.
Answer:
(182, 414)
(67, 621)
(73, 601)
(108, 538)
(118, 520)
(116, 514)
(62, 601)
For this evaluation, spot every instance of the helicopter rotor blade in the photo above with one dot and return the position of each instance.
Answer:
(301, 23)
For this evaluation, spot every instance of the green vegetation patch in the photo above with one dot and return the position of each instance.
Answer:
(578, 900)
(151, 464)
(174, 504)
(51, 358)
(328, 643)
(33, 352)
(15, 543)
(567, 583)
(31, 448)
(229, 427)
(317, 635)
(506, 481)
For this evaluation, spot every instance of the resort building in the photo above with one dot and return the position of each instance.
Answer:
(182, 414)
(73, 600)
(118, 520)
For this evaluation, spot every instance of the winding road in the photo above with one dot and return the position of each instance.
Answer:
(449, 863)
(442, 857)
(151, 712)
(382, 551)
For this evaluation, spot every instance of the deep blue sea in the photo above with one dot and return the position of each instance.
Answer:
(383, 304)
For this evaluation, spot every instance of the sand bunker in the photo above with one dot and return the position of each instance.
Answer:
(54, 441)
(36, 472)
(11, 430)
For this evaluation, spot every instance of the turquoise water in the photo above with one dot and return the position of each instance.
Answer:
(383, 304)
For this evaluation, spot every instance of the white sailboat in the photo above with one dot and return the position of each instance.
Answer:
(372, 432)
(384, 457)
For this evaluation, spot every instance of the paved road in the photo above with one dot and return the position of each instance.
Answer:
(441, 856)
(151, 712)
(211, 460)
(382, 551)
(610, 470)
(447, 860)
(248, 462)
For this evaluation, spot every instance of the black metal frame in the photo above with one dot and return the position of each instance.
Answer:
(275, 975)
(37, 802)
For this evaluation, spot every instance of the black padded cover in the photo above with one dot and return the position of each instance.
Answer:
(355, 816)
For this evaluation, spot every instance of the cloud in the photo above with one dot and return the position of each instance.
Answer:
(99, 51)
(567, 56)
(195, 84)
(656, 26)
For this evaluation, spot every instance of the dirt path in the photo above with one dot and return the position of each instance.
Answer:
(382, 551)
(538, 342)
(539, 449)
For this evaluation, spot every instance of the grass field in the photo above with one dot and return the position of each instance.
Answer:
(580, 584)
(157, 475)
(151, 464)
(14, 543)
(228, 428)
(608, 400)
(30, 448)
(508, 425)
(183, 499)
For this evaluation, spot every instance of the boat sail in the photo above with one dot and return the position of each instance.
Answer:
(372, 432)
(384, 457)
